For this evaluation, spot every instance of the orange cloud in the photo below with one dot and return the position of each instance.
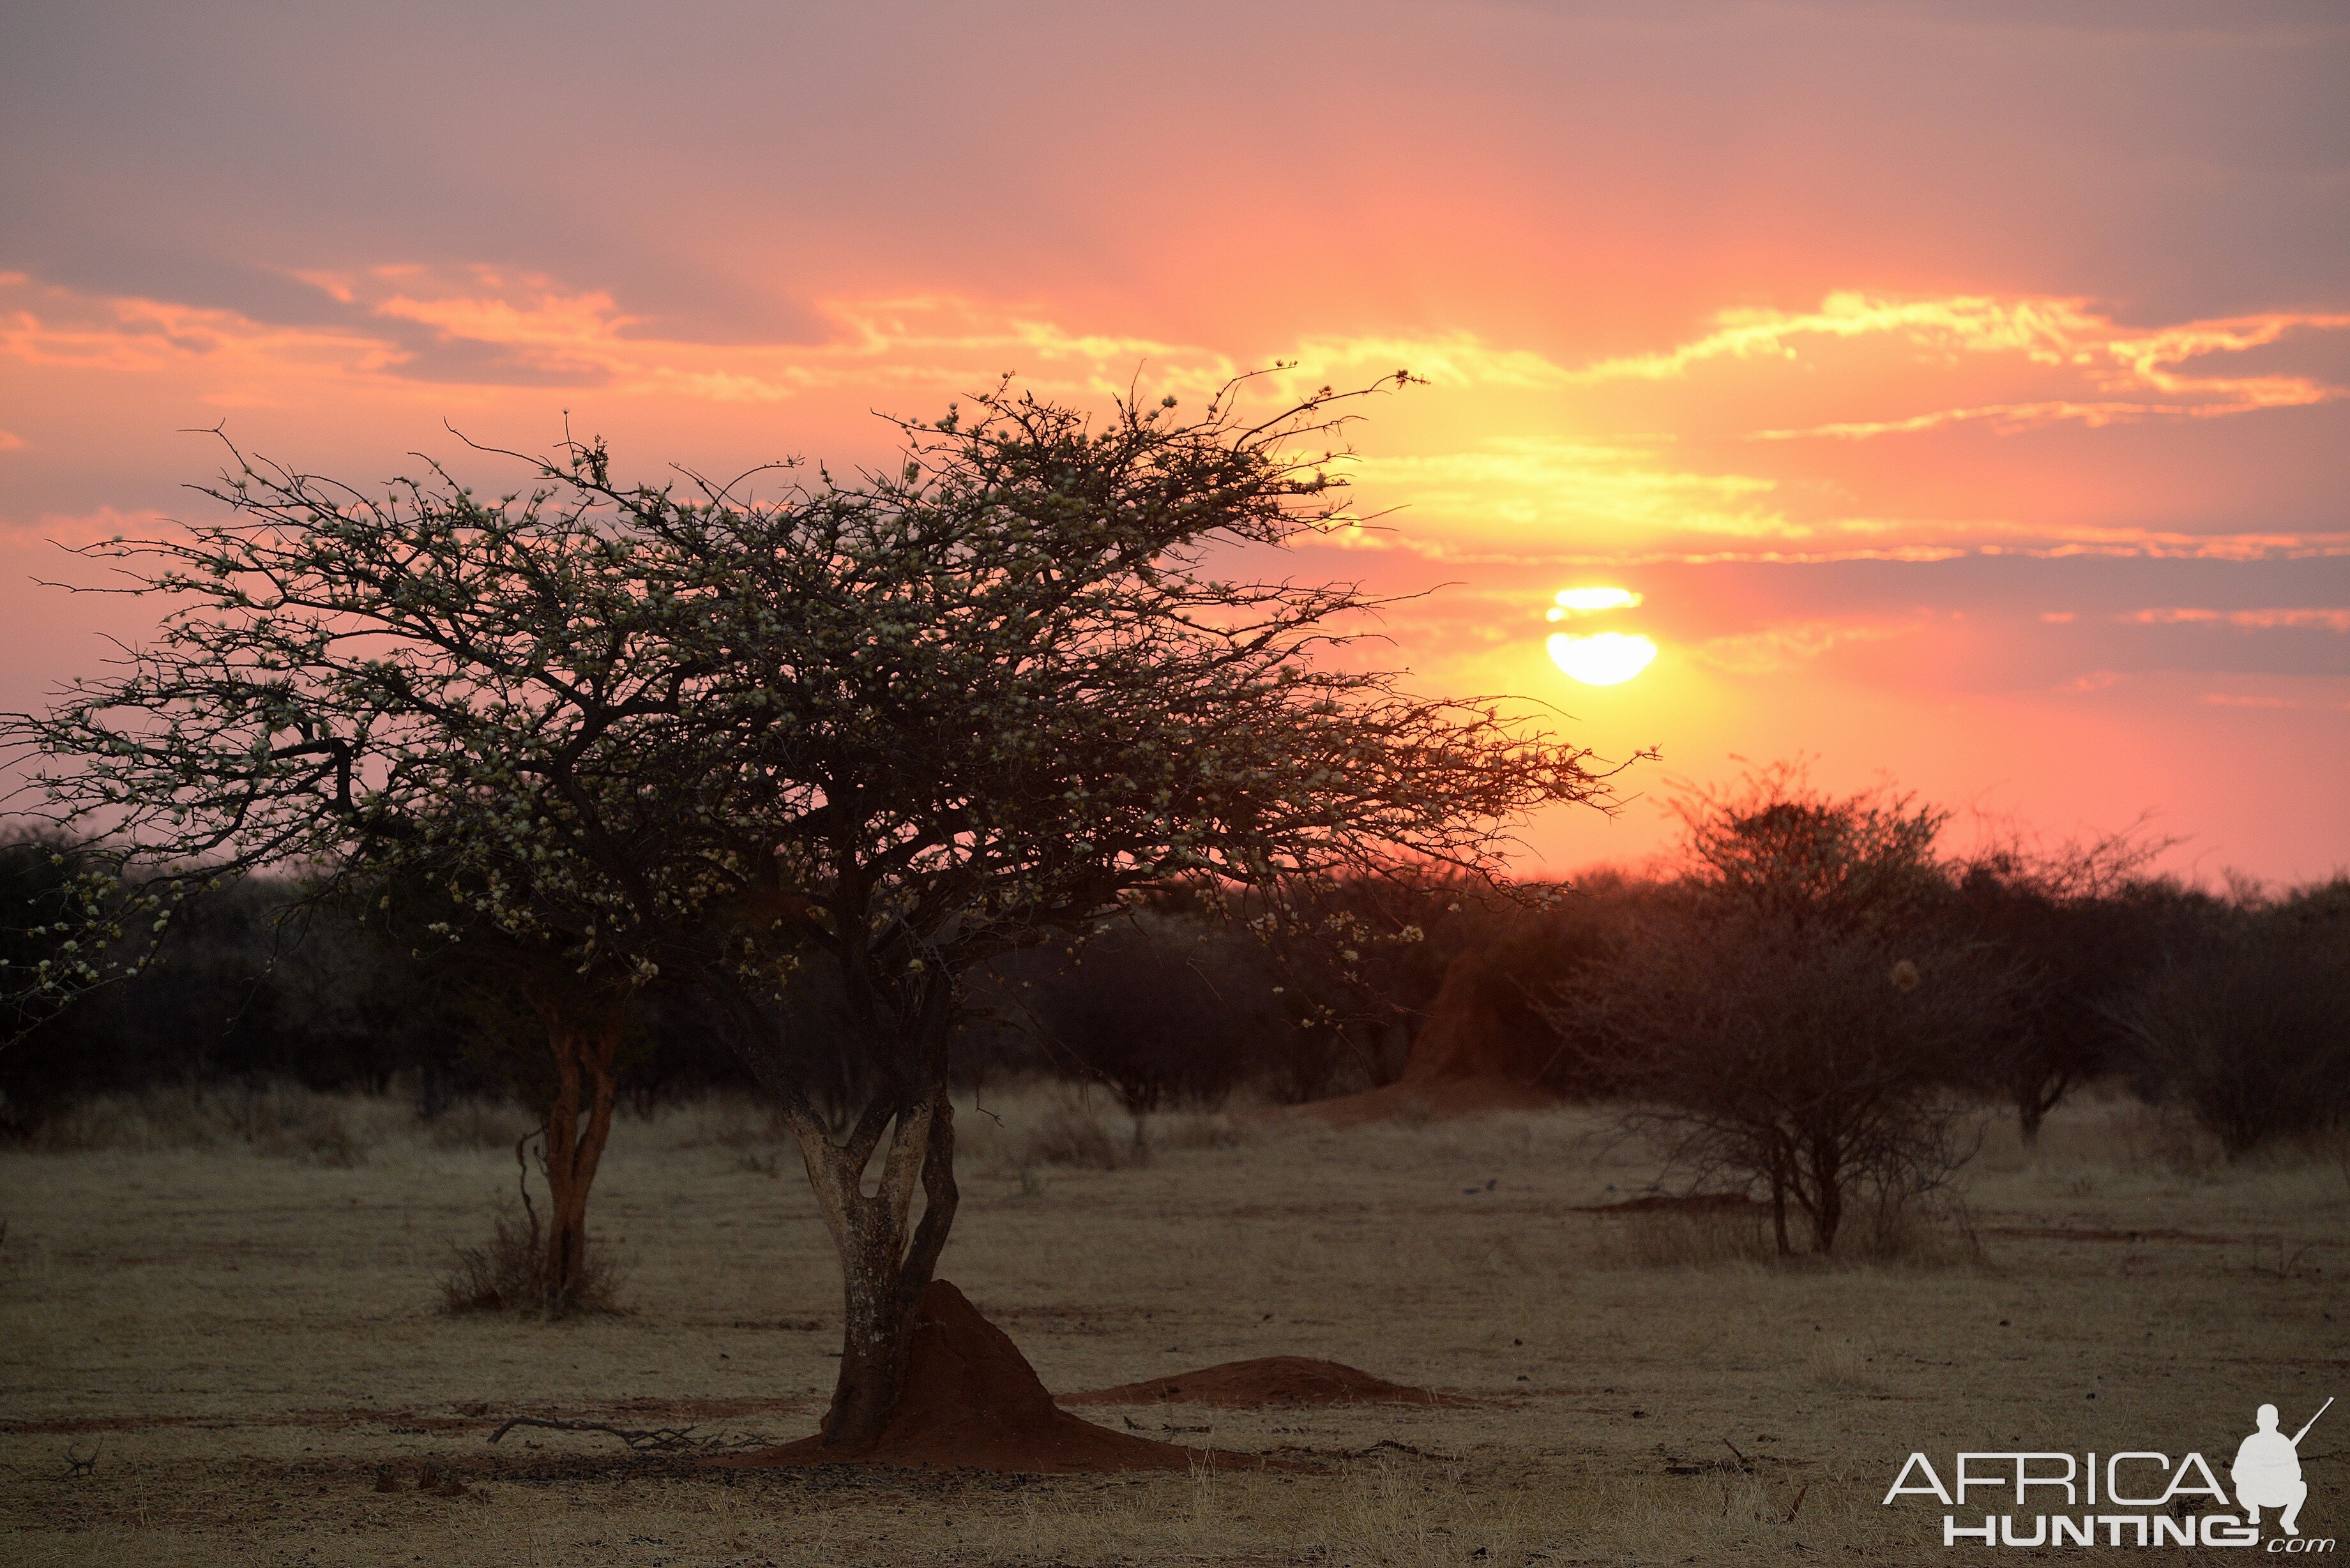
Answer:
(2337, 620)
(1512, 452)
(1777, 649)
(2049, 334)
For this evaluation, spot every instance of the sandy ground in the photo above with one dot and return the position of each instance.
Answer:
(207, 1354)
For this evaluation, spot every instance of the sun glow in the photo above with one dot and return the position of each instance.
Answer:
(1603, 658)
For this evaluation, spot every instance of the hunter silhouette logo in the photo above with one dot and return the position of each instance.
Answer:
(2135, 1497)
(2267, 1471)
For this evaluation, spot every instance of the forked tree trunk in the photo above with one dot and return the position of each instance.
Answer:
(583, 1044)
(886, 1258)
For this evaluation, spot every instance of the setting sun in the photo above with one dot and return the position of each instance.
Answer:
(1604, 658)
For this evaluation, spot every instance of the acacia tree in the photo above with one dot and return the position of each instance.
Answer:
(467, 708)
(900, 723)
(998, 691)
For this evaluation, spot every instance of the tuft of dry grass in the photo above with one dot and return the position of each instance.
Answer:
(507, 1273)
(1846, 1365)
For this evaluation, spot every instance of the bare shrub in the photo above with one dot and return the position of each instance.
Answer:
(1160, 1008)
(508, 1273)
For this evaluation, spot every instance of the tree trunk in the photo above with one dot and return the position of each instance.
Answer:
(886, 1259)
(2035, 1097)
(583, 1045)
(1827, 1207)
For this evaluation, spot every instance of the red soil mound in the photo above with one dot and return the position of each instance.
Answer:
(1461, 1064)
(973, 1402)
(1268, 1380)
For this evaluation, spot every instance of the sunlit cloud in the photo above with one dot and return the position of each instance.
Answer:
(1778, 649)
(1573, 495)
(2272, 703)
(2319, 619)
(1512, 452)
(1590, 600)
(2049, 335)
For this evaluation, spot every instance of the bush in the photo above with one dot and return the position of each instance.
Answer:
(1811, 1071)
(508, 1273)
(2251, 1035)
(1788, 1018)
(2084, 927)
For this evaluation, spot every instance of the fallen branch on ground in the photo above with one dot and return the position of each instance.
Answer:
(640, 1439)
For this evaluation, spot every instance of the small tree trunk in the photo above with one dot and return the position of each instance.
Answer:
(2034, 1098)
(1828, 1205)
(886, 1261)
(584, 1049)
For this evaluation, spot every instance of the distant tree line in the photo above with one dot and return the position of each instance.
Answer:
(1811, 996)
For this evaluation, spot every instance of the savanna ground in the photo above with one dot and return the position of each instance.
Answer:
(209, 1353)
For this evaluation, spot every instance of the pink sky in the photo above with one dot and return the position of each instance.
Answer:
(1962, 390)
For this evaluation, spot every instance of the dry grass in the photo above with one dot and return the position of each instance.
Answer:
(507, 1273)
(276, 1120)
(246, 1336)
(1016, 1133)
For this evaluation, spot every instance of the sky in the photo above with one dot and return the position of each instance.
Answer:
(1960, 388)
